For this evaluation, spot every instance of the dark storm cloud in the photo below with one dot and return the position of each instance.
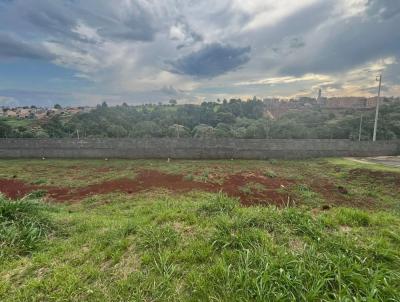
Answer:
(288, 47)
(296, 25)
(49, 17)
(191, 36)
(212, 60)
(384, 9)
(12, 47)
(58, 19)
(346, 45)
(138, 26)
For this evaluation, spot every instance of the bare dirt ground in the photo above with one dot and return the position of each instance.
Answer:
(250, 187)
(282, 184)
(270, 190)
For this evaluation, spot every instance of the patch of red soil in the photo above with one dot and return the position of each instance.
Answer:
(14, 189)
(338, 195)
(390, 178)
(272, 190)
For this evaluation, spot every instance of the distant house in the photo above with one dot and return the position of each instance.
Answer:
(352, 102)
(73, 110)
(23, 113)
(346, 102)
(40, 115)
(11, 113)
(86, 109)
(371, 102)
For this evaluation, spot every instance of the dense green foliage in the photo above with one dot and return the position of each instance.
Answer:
(235, 118)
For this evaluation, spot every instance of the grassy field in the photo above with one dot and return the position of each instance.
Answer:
(15, 123)
(317, 230)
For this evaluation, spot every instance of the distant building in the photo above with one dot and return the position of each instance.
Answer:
(23, 113)
(11, 113)
(347, 102)
(371, 102)
(321, 100)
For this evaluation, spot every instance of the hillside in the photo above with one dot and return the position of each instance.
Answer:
(236, 118)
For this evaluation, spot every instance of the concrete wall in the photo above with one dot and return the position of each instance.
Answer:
(192, 148)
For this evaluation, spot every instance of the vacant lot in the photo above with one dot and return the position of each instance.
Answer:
(199, 231)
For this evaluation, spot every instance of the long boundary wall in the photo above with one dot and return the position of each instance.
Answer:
(191, 148)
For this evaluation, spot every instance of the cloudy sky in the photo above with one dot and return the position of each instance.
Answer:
(140, 51)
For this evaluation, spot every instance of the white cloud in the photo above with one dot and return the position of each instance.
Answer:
(267, 12)
(123, 46)
(287, 80)
(86, 32)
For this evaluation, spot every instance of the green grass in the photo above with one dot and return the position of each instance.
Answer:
(23, 226)
(203, 247)
(15, 122)
(251, 187)
(197, 246)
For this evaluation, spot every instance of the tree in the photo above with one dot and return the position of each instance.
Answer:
(57, 106)
(5, 130)
(146, 129)
(41, 134)
(203, 131)
(55, 127)
(178, 131)
(172, 102)
(116, 131)
(223, 130)
(225, 117)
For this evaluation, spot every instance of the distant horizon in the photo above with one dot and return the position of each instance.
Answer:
(187, 103)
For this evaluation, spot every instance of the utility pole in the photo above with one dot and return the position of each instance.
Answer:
(359, 130)
(378, 78)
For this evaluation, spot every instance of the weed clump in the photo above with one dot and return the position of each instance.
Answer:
(37, 194)
(157, 238)
(353, 217)
(270, 174)
(230, 235)
(188, 177)
(221, 204)
(23, 225)
(39, 181)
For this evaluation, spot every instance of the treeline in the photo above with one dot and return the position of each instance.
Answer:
(234, 118)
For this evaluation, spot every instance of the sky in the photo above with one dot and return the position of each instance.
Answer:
(148, 51)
